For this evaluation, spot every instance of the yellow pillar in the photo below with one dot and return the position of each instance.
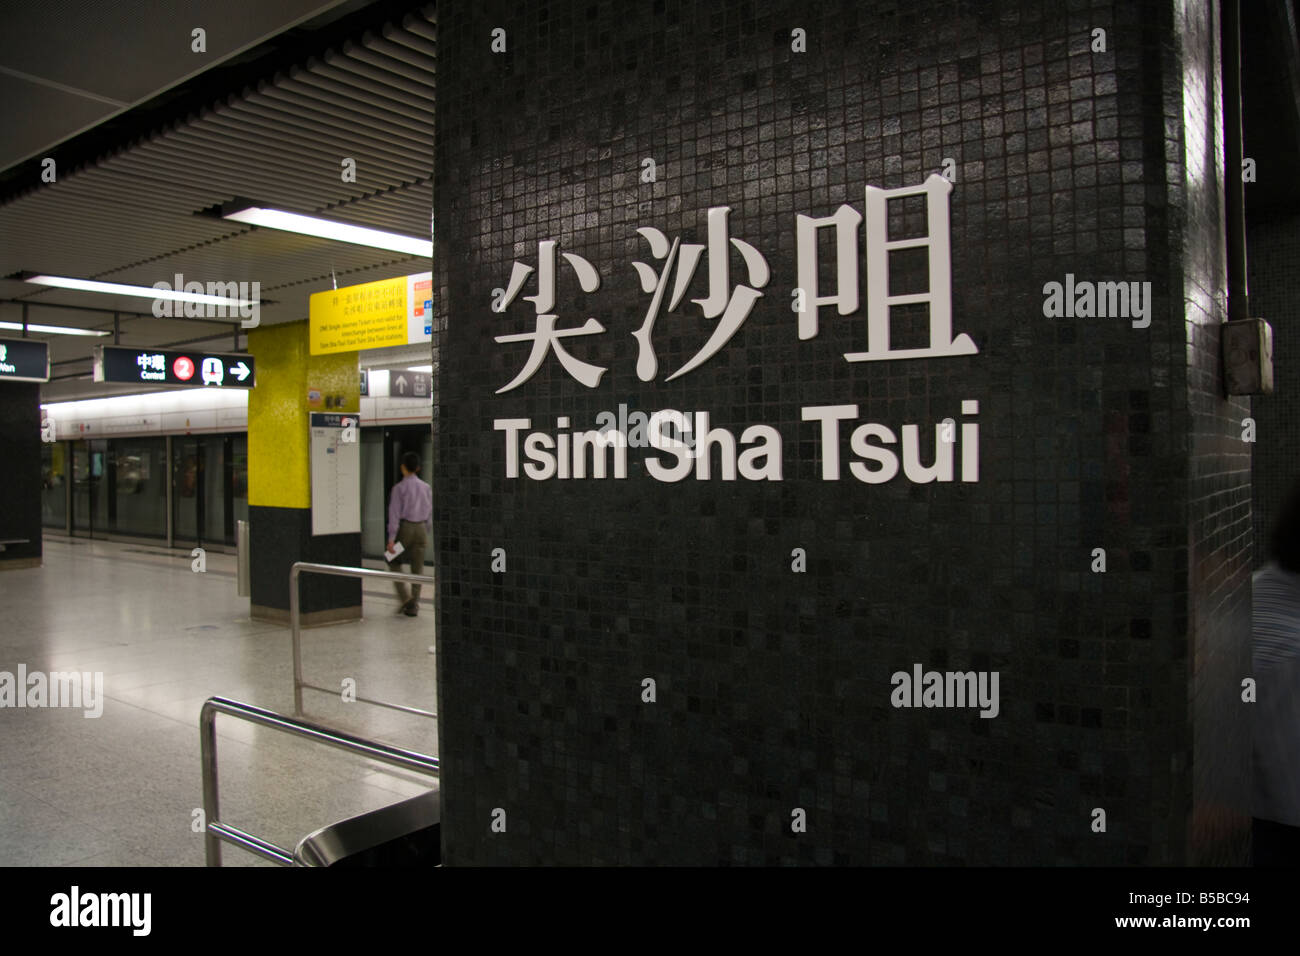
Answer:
(291, 384)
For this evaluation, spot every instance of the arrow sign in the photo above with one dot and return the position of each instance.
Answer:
(165, 368)
(401, 384)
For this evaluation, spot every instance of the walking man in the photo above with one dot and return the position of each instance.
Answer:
(410, 522)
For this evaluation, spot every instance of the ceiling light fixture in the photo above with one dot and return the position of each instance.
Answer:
(51, 329)
(139, 291)
(327, 229)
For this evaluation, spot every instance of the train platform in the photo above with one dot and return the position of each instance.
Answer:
(124, 788)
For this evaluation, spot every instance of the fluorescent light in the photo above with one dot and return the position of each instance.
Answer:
(328, 229)
(140, 291)
(420, 368)
(51, 329)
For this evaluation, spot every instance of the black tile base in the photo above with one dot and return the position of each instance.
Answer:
(280, 536)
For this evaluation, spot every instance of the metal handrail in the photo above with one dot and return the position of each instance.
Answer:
(342, 571)
(216, 831)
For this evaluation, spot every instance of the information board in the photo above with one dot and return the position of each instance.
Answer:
(335, 473)
(373, 315)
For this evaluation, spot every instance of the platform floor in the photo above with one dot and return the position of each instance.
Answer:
(123, 789)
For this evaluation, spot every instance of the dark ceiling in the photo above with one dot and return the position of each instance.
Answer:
(59, 78)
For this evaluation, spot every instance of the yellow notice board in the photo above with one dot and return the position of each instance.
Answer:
(367, 316)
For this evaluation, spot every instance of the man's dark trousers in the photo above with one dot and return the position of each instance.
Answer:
(412, 537)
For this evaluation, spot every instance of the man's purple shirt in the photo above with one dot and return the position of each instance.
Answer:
(411, 500)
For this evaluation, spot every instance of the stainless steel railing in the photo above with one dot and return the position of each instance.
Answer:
(341, 571)
(216, 831)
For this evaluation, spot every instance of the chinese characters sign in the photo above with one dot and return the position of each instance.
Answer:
(731, 303)
(371, 315)
(683, 444)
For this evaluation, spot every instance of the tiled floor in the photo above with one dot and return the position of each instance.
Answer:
(123, 789)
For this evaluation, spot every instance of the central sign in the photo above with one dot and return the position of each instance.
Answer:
(115, 363)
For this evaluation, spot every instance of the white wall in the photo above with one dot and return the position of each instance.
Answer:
(195, 411)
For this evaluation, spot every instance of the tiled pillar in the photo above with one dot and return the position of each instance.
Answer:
(279, 477)
(20, 474)
(1096, 560)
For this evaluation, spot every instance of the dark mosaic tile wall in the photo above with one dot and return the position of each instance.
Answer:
(281, 536)
(773, 687)
(1274, 248)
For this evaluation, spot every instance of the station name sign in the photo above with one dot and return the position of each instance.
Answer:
(24, 360)
(683, 445)
(687, 444)
(130, 366)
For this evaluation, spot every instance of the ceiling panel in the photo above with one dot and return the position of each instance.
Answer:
(134, 215)
(53, 54)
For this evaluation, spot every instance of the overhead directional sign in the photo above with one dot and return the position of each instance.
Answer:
(408, 384)
(115, 363)
(397, 383)
(24, 360)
